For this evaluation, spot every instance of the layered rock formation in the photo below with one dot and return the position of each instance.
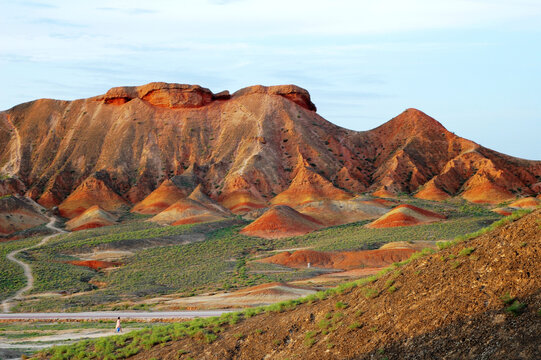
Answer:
(256, 147)
(17, 215)
(405, 215)
(93, 217)
(196, 208)
(281, 221)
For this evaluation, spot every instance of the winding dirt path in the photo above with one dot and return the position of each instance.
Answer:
(6, 304)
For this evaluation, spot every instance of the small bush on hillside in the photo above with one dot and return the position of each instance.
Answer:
(507, 299)
(466, 251)
(341, 305)
(516, 308)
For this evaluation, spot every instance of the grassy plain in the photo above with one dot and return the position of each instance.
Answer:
(194, 259)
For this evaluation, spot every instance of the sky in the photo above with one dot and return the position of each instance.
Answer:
(474, 65)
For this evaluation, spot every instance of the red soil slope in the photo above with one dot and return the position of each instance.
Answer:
(344, 260)
(503, 211)
(196, 208)
(244, 148)
(405, 215)
(308, 186)
(93, 191)
(160, 199)
(95, 264)
(281, 221)
(526, 203)
(93, 217)
(17, 215)
(240, 196)
(337, 212)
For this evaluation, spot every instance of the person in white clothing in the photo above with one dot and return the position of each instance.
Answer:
(118, 327)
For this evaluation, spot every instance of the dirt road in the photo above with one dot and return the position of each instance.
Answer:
(125, 315)
(6, 304)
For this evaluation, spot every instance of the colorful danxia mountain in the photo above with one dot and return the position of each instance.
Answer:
(147, 148)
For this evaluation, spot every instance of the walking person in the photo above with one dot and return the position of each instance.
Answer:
(118, 327)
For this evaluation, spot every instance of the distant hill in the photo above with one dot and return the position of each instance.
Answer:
(250, 149)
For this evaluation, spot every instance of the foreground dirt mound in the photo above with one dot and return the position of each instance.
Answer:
(258, 295)
(526, 203)
(405, 215)
(160, 199)
(95, 264)
(338, 212)
(17, 215)
(196, 208)
(281, 221)
(93, 191)
(93, 217)
(344, 260)
(308, 186)
(477, 300)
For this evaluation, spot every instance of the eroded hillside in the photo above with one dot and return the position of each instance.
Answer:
(479, 299)
(256, 147)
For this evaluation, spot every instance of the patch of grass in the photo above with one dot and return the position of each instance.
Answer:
(466, 251)
(506, 220)
(507, 298)
(324, 324)
(136, 341)
(369, 292)
(340, 305)
(11, 275)
(309, 338)
(516, 308)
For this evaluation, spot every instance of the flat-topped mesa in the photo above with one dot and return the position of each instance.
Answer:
(164, 95)
(294, 93)
(177, 96)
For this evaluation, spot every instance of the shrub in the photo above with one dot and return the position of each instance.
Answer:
(516, 308)
(341, 305)
(466, 251)
(507, 299)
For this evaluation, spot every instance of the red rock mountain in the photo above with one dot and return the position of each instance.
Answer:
(256, 147)
(405, 215)
(16, 214)
(281, 221)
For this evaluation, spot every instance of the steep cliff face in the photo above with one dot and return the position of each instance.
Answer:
(244, 149)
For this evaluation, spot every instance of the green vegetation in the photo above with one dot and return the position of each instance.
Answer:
(11, 275)
(309, 338)
(516, 308)
(18, 330)
(208, 329)
(506, 220)
(192, 259)
(341, 305)
(466, 251)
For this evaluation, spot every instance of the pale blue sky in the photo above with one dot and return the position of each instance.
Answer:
(474, 65)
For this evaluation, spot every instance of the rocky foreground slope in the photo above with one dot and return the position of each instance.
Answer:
(247, 150)
(480, 299)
